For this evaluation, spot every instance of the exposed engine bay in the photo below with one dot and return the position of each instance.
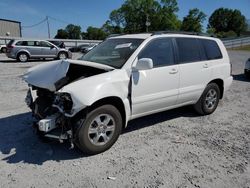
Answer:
(49, 107)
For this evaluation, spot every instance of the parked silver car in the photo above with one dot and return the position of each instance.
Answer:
(23, 50)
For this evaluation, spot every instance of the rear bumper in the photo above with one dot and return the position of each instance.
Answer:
(11, 55)
(227, 83)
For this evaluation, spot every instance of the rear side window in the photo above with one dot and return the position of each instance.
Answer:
(211, 48)
(160, 51)
(26, 43)
(188, 50)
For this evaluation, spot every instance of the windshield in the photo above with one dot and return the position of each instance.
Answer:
(113, 52)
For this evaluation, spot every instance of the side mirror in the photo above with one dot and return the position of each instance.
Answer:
(51, 47)
(144, 64)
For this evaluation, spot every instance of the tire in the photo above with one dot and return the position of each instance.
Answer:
(4, 50)
(209, 100)
(62, 55)
(22, 57)
(95, 135)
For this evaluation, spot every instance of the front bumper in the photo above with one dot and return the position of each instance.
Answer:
(10, 55)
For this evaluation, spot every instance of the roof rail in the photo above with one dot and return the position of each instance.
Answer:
(179, 32)
(114, 35)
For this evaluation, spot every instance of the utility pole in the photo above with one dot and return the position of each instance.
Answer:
(147, 23)
(47, 18)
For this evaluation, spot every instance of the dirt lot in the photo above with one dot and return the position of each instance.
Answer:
(176, 148)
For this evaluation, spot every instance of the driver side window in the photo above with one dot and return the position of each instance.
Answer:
(160, 51)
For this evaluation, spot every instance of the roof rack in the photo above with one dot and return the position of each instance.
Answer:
(114, 35)
(178, 32)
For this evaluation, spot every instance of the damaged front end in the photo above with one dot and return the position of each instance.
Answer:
(53, 109)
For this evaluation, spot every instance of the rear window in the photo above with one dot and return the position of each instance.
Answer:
(211, 48)
(10, 43)
(188, 50)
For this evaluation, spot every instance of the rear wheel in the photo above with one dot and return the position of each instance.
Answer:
(4, 50)
(209, 100)
(100, 129)
(22, 57)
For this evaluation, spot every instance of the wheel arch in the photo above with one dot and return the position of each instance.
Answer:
(23, 51)
(220, 83)
(115, 101)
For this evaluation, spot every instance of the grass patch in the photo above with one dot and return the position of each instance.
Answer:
(244, 48)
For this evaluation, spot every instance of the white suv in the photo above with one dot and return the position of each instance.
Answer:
(91, 100)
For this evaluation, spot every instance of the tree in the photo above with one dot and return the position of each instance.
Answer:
(193, 21)
(61, 34)
(133, 15)
(74, 31)
(94, 33)
(225, 20)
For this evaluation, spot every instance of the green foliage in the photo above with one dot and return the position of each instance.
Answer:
(61, 34)
(74, 31)
(133, 15)
(228, 34)
(70, 32)
(193, 21)
(225, 20)
(94, 33)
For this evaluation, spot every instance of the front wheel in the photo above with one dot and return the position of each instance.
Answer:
(62, 55)
(209, 100)
(100, 130)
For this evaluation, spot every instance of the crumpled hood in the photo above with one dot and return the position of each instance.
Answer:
(47, 74)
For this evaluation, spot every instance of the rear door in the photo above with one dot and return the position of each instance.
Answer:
(34, 48)
(195, 70)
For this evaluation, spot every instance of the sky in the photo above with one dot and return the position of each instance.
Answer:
(91, 12)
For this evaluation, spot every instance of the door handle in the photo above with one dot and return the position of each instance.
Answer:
(173, 71)
(205, 65)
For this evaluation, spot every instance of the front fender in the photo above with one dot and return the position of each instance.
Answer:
(87, 91)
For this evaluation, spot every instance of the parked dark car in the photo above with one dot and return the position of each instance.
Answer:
(79, 48)
(59, 44)
(88, 48)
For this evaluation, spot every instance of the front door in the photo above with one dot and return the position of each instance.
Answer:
(48, 50)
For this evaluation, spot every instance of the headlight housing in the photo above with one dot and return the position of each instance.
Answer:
(64, 102)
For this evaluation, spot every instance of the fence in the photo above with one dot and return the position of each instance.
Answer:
(68, 42)
(234, 43)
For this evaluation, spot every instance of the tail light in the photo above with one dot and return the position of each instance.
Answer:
(10, 47)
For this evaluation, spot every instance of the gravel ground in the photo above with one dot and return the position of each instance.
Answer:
(175, 148)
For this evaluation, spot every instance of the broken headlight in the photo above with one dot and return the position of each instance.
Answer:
(64, 102)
